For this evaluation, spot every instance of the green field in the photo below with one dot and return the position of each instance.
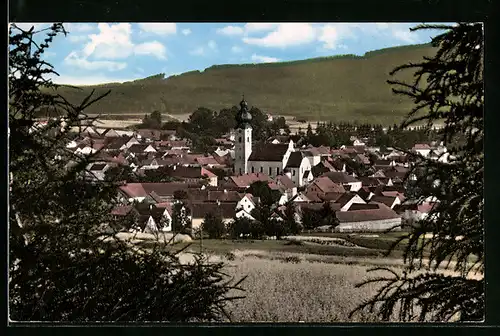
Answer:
(349, 88)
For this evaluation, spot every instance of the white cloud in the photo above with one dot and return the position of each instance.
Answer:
(203, 50)
(264, 59)
(236, 49)
(287, 34)
(259, 27)
(405, 35)
(94, 79)
(80, 61)
(113, 41)
(230, 30)
(331, 34)
(77, 38)
(186, 31)
(78, 27)
(160, 28)
(212, 45)
(154, 48)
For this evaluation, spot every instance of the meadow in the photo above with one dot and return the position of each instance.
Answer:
(307, 278)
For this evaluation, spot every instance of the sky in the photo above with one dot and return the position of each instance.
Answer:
(96, 53)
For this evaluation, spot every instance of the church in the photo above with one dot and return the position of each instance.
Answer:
(270, 159)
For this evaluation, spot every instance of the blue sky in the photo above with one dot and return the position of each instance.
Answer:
(95, 53)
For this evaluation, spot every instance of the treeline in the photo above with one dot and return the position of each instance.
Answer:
(337, 134)
(204, 126)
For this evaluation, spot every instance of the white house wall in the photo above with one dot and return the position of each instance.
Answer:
(355, 186)
(370, 226)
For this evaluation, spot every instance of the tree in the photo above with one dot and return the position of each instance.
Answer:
(309, 132)
(60, 267)
(156, 118)
(262, 190)
(120, 173)
(291, 220)
(202, 121)
(449, 87)
(242, 227)
(213, 225)
(180, 219)
(180, 195)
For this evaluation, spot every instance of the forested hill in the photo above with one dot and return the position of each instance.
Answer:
(346, 87)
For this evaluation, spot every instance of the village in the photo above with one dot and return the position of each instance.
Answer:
(310, 179)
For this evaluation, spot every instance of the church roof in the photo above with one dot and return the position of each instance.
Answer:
(269, 152)
(295, 159)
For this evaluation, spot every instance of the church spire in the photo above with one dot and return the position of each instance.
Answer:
(243, 118)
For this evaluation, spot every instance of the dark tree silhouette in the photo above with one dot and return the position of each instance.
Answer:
(65, 262)
(213, 225)
(448, 87)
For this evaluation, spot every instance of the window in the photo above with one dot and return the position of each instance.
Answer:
(253, 170)
(239, 139)
(270, 171)
(293, 172)
(240, 171)
(248, 139)
(277, 170)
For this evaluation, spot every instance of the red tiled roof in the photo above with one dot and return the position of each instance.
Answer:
(285, 181)
(421, 146)
(121, 210)
(340, 177)
(383, 212)
(246, 180)
(201, 209)
(327, 185)
(387, 200)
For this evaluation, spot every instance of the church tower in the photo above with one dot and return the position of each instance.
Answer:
(243, 141)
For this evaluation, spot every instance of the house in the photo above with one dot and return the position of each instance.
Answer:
(414, 210)
(422, 149)
(149, 218)
(141, 148)
(110, 133)
(153, 219)
(323, 185)
(349, 182)
(313, 155)
(358, 142)
(199, 210)
(118, 143)
(246, 205)
(269, 159)
(279, 139)
(285, 182)
(322, 167)
(192, 174)
(390, 201)
(148, 134)
(365, 193)
(346, 200)
(139, 191)
(97, 171)
(182, 145)
(371, 217)
(297, 168)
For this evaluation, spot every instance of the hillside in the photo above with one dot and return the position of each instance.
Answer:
(345, 87)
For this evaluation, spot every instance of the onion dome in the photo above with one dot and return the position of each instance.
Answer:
(243, 118)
